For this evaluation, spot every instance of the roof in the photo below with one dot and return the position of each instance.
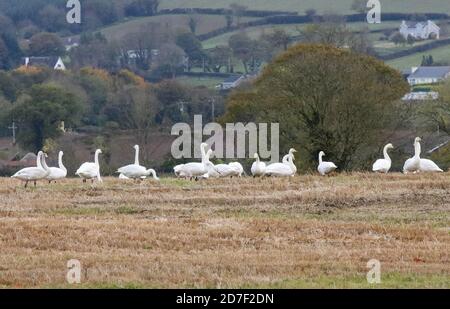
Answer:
(431, 72)
(233, 79)
(42, 61)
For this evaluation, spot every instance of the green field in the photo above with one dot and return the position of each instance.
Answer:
(205, 23)
(441, 54)
(340, 6)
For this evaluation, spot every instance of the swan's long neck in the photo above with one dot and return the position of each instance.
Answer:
(257, 158)
(60, 162)
(153, 173)
(204, 158)
(417, 150)
(320, 158)
(96, 159)
(44, 163)
(385, 153)
(136, 156)
(39, 160)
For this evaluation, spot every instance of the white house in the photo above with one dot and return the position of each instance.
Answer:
(56, 63)
(420, 30)
(231, 82)
(428, 75)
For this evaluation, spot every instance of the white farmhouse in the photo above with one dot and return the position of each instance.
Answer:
(428, 75)
(56, 63)
(420, 30)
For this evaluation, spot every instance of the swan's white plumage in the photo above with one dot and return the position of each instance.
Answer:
(287, 169)
(238, 168)
(258, 168)
(41, 171)
(429, 166)
(90, 170)
(412, 165)
(60, 172)
(136, 171)
(383, 165)
(325, 168)
(195, 169)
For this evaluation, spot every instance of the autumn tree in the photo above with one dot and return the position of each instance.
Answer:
(325, 99)
(39, 114)
(46, 44)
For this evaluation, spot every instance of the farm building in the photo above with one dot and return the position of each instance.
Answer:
(55, 63)
(420, 30)
(428, 75)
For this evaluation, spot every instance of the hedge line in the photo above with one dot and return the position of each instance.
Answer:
(416, 49)
(247, 13)
(302, 19)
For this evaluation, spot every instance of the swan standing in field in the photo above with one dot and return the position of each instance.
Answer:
(412, 165)
(258, 168)
(41, 171)
(57, 173)
(287, 169)
(90, 170)
(136, 171)
(383, 165)
(196, 169)
(325, 168)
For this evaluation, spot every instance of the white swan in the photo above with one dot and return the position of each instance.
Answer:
(258, 168)
(383, 165)
(238, 168)
(225, 170)
(429, 166)
(412, 165)
(136, 171)
(325, 167)
(34, 173)
(57, 173)
(196, 169)
(90, 170)
(283, 169)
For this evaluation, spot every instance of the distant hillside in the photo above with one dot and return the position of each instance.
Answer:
(321, 6)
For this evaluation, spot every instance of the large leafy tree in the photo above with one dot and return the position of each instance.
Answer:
(324, 98)
(40, 114)
(46, 44)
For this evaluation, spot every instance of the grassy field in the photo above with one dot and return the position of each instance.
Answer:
(441, 54)
(340, 6)
(282, 233)
(205, 23)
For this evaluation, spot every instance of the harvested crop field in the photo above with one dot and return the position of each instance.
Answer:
(304, 232)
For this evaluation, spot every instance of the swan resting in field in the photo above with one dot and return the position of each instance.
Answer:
(57, 173)
(238, 168)
(34, 174)
(258, 168)
(287, 169)
(412, 165)
(325, 168)
(428, 166)
(136, 171)
(90, 170)
(383, 165)
(195, 169)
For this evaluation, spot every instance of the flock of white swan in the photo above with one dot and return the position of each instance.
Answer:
(206, 169)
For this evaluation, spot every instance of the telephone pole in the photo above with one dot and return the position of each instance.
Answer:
(13, 128)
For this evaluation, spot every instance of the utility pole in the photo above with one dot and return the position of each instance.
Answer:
(213, 109)
(13, 128)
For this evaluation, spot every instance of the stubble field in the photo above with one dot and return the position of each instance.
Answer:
(303, 232)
